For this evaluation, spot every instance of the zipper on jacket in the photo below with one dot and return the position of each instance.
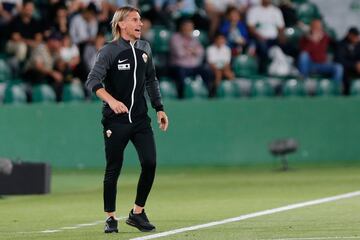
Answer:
(133, 91)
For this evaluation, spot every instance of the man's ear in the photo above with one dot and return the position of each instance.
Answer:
(121, 24)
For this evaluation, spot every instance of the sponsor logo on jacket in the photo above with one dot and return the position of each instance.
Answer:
(123, 66)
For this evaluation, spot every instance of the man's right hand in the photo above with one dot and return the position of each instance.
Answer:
(118, 107)
(115, 105)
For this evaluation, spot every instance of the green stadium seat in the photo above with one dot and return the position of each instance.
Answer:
(245, 66)
(200, 4)
(202, 36)
(14, 94)
(327, 88)
(3, 56)
(160, 61)
(5, 71)
(292, 87)
(355, 88)
(275, 84)
(73, 92)
(243, 87)
(195, 89)
(43, 93)
(160, 39)
(144, 5)
(227, 89)
(262, 88)
(311, 87)
(293, 35)
(168, 89)
(2, 91)
(330, 31)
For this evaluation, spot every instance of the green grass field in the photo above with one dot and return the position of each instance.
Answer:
(187, 197)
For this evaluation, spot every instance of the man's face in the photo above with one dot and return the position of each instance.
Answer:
(61, 13)
(266, 2)
(187, 28)
(131, 26)
(316, 26)
(234, 16)
(54, 45)
(220, 41)
(28, 9)
(354, 38)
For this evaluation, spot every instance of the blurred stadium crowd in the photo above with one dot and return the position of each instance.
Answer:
(202, 48)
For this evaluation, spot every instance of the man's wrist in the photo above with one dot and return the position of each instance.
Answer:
(159, 108)
(97, 87)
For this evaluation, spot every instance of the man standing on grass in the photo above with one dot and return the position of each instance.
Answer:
(122, 71)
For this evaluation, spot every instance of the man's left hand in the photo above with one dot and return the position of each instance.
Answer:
(162, 120)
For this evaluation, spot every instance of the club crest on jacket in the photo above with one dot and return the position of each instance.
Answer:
(108, 133)
(145, 57)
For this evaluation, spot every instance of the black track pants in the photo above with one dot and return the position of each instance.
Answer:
(117, 136)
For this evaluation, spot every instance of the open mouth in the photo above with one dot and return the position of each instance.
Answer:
(138, 30)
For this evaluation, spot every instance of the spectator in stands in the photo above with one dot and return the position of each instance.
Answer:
(26, 33)
(289, 13)
(85, 3)
(348, 54)
(60, 23)
(83, 30)
(245, 5)
(84, 27)
(9, 9)
(215, 10)
(218, 57)
(120, 3)
(47, 10)
(186, 57)
(104, 17)
(288, 10)
(164, 12)
(235, 31)
(313, 57)
(266, 24)
(90, 51)
(175, 8)
(74, 7)
(41, 67)
(69, 59)
(146, 29)
(88, 58)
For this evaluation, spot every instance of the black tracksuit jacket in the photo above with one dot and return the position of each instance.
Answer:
(125, 70)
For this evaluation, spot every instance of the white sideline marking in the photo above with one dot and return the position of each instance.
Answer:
(87, 224)
(314, 238)
(77, 226)
(251, 215)
(68, 228)
(51, 231)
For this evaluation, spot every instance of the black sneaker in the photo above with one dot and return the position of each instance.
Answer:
(140, 221)
(111, 225)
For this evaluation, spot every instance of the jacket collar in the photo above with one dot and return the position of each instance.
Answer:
(122, 40)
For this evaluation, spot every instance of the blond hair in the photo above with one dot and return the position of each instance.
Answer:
(120, 15)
